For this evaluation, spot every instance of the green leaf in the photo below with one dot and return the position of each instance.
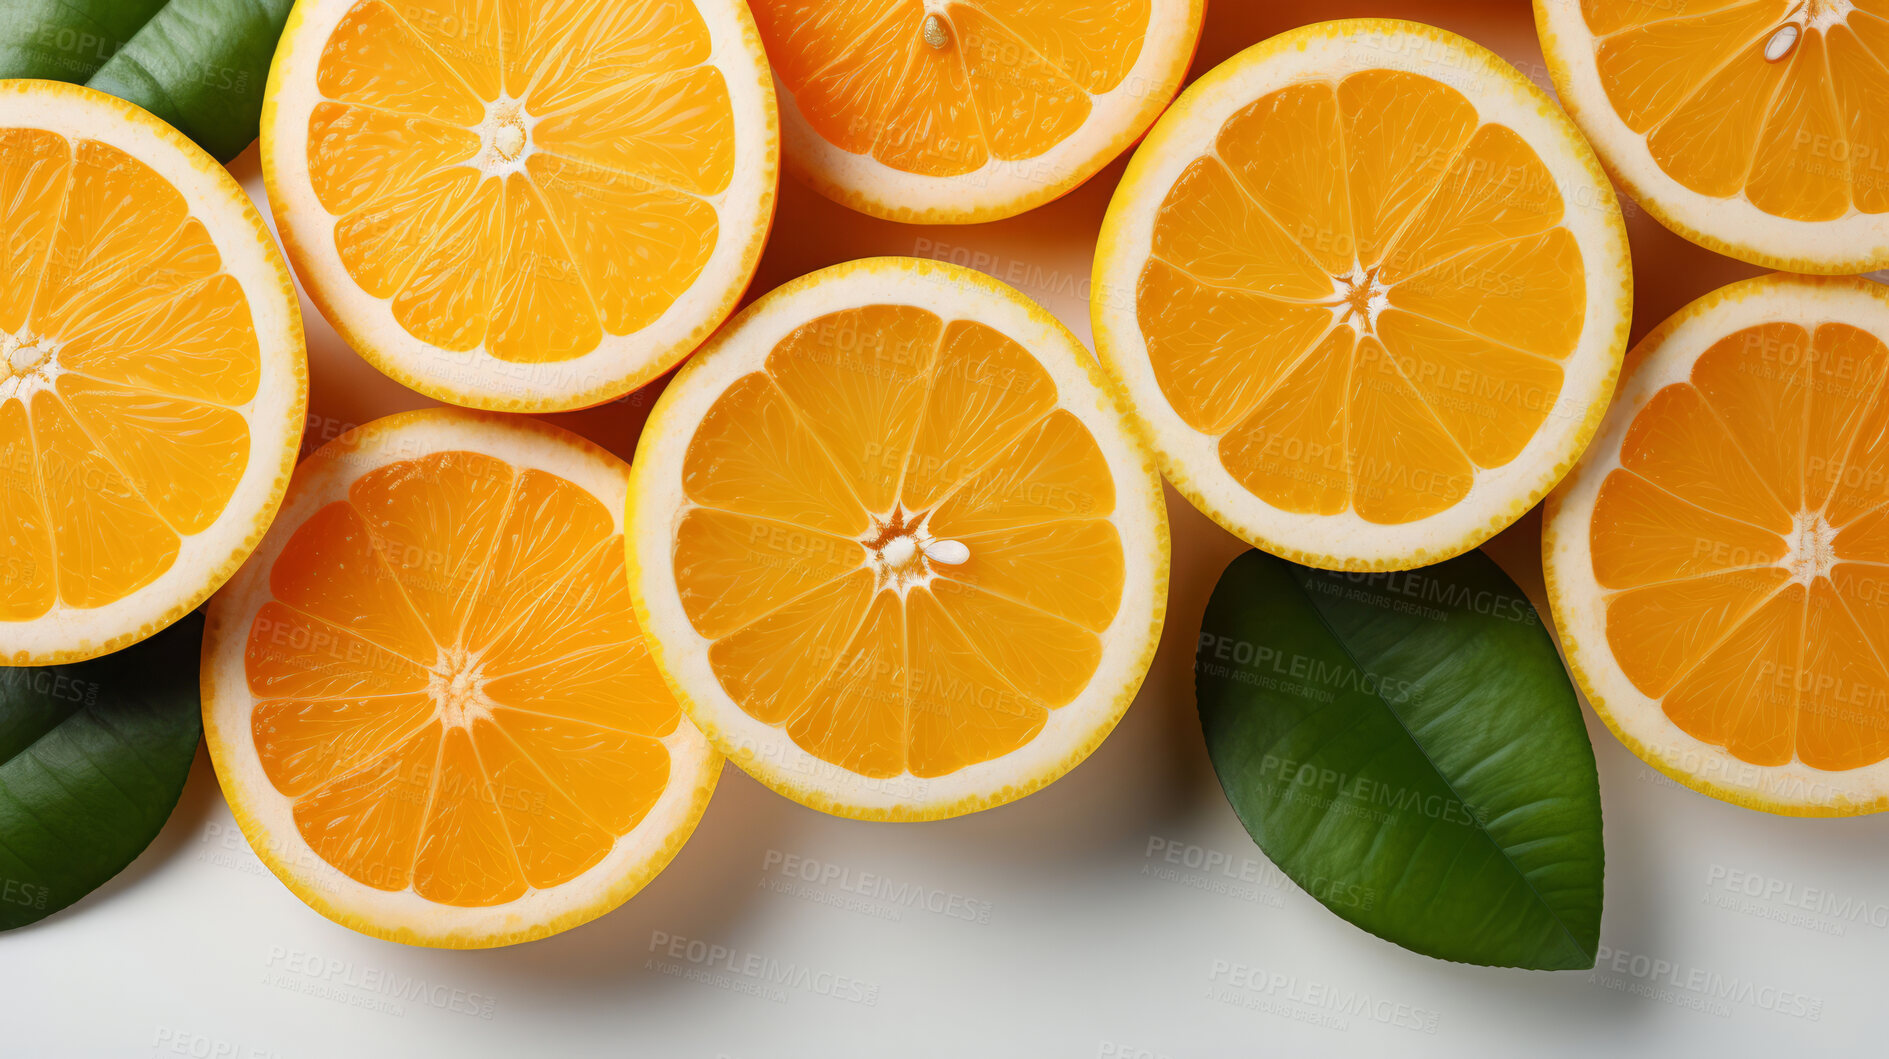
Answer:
(198, 64)
(93, 757)
(1407, 747)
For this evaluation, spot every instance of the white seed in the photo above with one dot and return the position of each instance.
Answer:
(935, 33)
(1781, 42)
(950, 553)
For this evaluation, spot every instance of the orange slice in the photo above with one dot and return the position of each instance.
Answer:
(954, 112)
(1757, 128)
(1367, 292)
(524, 206)
(896, 551)
(1718, 564)
(428, 702)
(152, 374)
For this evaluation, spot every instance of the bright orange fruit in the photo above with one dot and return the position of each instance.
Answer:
(1754, 127)
(152, 374)
(430, 706)
(522, 205)
(1367, 291)
(894, 547)
(952, 113)
(1716, 561)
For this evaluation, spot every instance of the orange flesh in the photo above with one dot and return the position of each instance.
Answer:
(815, 483)
(1742, 551)
(126, 354)
(1364, 294)
(450, 685)
(945, 93)
(1731, 103)
(522, 178)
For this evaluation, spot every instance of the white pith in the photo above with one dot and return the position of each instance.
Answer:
(504, 138)
(1855, 242)
(29, 363)
(1821, 14)
(266, 815)
(902, 554)
(1579, 601)
(1810, 549)
(1331, 52)
(660, 503)
(474, 377)
(457, 684)
(274, 415)
(1003, 188)
(1358, 299)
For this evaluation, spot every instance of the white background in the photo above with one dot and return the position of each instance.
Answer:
(1093, 943)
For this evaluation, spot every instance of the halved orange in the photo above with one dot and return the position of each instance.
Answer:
(894, 547)
(526, 205)
(1367, 292)
(1719, 563)
(152, 374)
(1757, 128)
(429, 704)
(960, 111)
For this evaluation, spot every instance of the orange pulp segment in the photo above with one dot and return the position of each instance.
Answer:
(1365, 293)
(897, 543)
(1741, 547)
(1779, 101)
(450, 685)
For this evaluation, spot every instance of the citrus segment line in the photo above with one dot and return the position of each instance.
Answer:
(1651, 484)
(1663, 20)
(499, 704)
(1718, 415)
(423, 663)
(1249, 291)
(393, 577)
(491, 793)
(923, 402)
(949, 492)
(34, 274)
(648, 181)
(580, 268)
(483, 571)
(1298, 360)
(110, 458)
(1253, 201)
(528, 607)
(426, 44)
(801, 418)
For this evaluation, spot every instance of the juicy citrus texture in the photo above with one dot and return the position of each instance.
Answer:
(450, 685)
(1365, 293)
(126, 356)
(1779, 101)
(945, 90)
(1742, 544)
(522, 177)
(898, 543)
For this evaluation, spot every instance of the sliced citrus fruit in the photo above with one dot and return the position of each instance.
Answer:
(954, 112)
(429, 703)
(526, 206)
(152, 375)
(1718, 565)
(894, 547)
(1757, 128)
(1367, 291)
